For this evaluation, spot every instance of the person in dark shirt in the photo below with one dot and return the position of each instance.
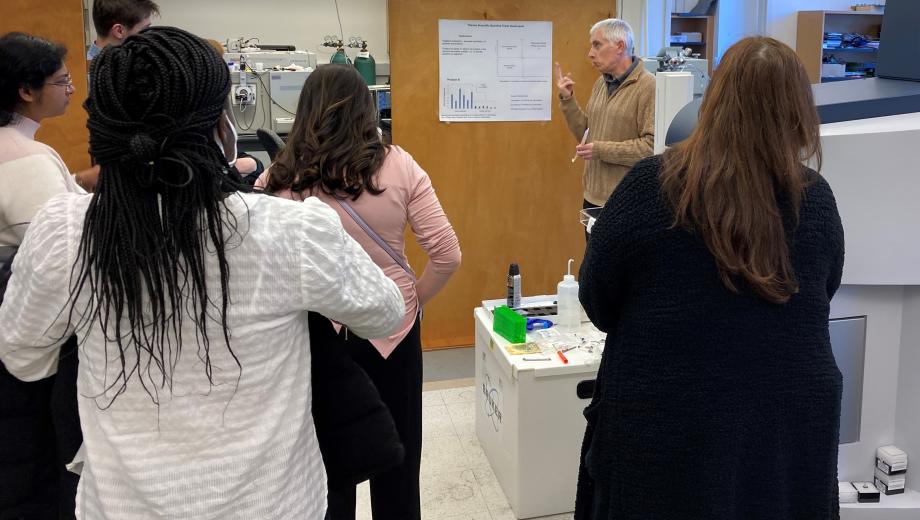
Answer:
(711, 268)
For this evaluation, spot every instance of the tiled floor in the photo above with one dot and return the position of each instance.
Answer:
(448, 364)
(457, 481)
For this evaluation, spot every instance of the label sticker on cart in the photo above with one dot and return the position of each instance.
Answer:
(492, 403)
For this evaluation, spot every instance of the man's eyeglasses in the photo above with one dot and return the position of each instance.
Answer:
(67, 83)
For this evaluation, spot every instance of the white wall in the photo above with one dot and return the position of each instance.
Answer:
(883, 308)
(782, 20)
(738, 19)
(907, 427)
(659, 26)
(650, 21)
(879, 211)
(633, 12)
(302, 23)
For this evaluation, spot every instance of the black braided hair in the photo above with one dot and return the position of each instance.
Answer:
(159, 208)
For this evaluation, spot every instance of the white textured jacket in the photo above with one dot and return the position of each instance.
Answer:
(245, 447)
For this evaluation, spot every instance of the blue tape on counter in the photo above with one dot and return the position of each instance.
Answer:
(537, 324)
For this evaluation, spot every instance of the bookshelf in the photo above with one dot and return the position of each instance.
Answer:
(705, 25)
(811, 45)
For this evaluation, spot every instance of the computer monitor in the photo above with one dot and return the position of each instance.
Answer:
(383, 101)
(899, 47)
(848, 341)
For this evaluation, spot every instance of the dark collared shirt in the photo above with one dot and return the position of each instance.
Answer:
(614, 83)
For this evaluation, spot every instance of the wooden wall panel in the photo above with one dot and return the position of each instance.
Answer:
(59, 21)
(809, 35)
(510, 189)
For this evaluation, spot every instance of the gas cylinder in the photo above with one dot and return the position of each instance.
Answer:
(366, 65)
(340, 57)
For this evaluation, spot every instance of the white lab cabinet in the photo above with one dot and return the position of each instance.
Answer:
(529, 421)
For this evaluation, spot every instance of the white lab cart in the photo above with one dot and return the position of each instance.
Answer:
(529, 420)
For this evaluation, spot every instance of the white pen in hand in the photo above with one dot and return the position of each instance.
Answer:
(584, 139)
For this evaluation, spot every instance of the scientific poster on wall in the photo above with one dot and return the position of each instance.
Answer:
(495, 71)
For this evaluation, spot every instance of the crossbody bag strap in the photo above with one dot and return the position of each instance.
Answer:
(373, 234)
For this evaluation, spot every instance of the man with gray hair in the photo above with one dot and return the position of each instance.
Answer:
(617, 128)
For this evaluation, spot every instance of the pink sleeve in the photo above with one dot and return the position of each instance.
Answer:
(429, 223)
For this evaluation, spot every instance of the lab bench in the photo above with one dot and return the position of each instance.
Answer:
(529, 419)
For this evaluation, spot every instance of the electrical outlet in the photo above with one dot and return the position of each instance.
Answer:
(244, 95)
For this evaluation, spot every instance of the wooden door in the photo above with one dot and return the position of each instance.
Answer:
(509, 188)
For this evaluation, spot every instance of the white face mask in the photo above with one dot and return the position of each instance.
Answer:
(227, 145)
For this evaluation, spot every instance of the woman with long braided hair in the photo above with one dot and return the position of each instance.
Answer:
(194, 351)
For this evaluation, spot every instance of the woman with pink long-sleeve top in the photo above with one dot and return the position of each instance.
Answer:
(335, 151)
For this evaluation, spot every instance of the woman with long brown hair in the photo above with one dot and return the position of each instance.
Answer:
(711, 269)
(335, 153)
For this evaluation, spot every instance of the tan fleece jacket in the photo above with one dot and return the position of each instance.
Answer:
(622, 130)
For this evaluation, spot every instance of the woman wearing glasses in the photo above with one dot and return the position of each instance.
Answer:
(34, 85)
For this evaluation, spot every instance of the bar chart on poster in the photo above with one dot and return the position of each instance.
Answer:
(495, 70)
(468, 96)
